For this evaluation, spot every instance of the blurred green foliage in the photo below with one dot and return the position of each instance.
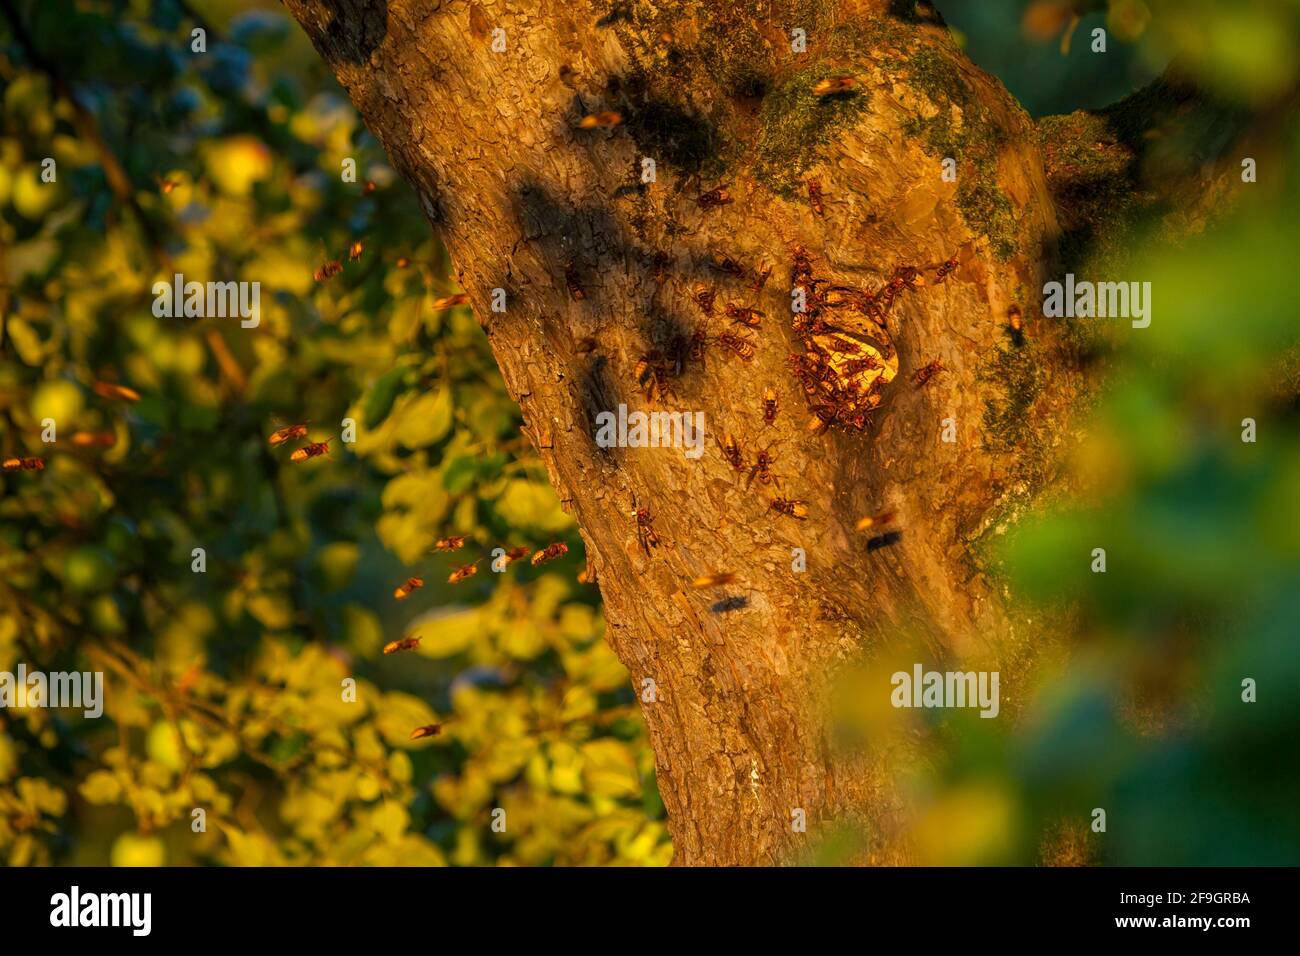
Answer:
(1202, 586)
(1139, 704)
(1046, 61)
(225, 688)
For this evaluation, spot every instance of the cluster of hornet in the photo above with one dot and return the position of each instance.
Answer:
(849, 355)
(455, 543)
(507, 558)
(311, 449)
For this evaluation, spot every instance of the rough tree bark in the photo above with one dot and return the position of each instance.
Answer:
(712, 90)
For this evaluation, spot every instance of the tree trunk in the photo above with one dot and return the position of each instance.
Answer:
(602, 271)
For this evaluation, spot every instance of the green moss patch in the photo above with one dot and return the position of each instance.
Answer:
(795, 123)
(1010, 425)
(1089, 173)
(965, 131)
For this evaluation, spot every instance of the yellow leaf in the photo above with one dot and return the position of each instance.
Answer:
(389, 820)
(970, 825)
(101, 786)
(131, 849)
(442, 635)
(426, 420)
(399, 714)
(532, 505)
(610, 770)
(235, 163)
(273, 610)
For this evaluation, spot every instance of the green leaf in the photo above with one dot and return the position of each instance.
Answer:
(426, 420)
(101, 787)
(382, 395)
